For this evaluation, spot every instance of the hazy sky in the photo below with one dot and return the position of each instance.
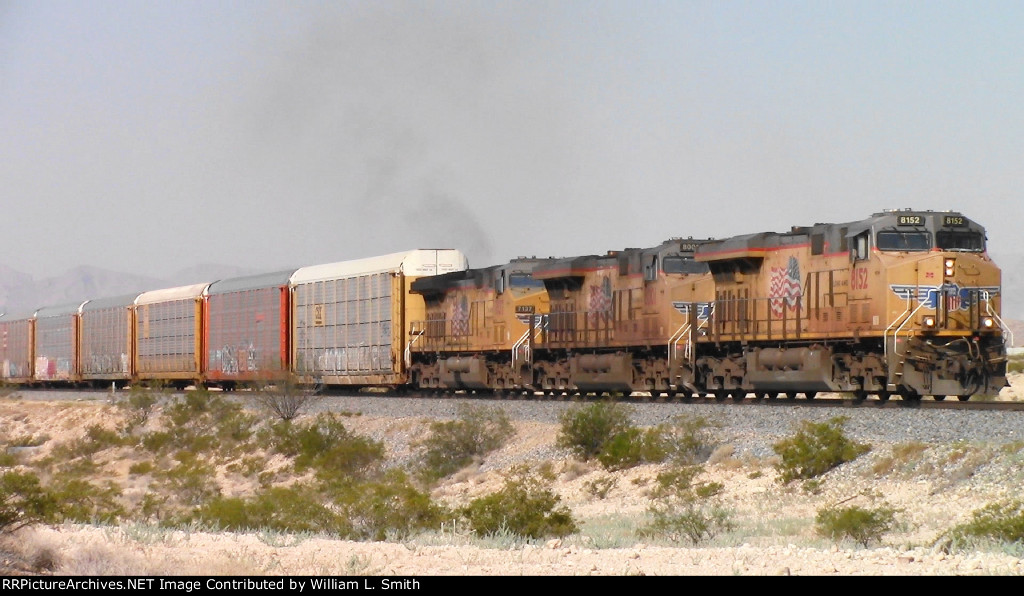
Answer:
(147, 137)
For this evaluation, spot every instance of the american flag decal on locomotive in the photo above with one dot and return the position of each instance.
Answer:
(784, 289)
(460, 317)
(957, 298)
(600, 302)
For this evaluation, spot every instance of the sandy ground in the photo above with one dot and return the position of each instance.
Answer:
(774, 534)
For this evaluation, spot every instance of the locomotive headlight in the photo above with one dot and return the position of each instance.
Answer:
(988, 322)
(950, 265)
(929, 321)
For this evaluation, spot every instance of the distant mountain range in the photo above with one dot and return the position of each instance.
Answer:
(20, 292)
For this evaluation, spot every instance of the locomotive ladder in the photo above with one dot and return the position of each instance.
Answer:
(408, 347)
(673, 343)
(898, 367)
(521, 353)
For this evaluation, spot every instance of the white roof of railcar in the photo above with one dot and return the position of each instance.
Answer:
(111, 301)
(171, 294)
(424, 261)
(58, 311)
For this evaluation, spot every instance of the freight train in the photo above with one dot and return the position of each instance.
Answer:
(902, 303)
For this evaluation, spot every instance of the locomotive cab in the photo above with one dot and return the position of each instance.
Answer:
(938, 301)
(481, 327)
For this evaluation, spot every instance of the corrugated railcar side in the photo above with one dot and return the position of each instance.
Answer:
(350, 320)
(168, 334)
(246, 329)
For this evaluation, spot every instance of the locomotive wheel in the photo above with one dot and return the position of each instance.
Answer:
(938, 397)
(910, 396)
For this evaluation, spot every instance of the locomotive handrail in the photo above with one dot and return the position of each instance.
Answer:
(522, 341)
(673, 341)
(987, 297)
(895, 334)
(408, 347)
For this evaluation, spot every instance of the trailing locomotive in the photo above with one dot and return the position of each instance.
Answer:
(901, 303)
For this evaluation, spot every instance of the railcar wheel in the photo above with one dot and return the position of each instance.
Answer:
(811, 394)
(860, 395)
(791, 395)
(939, 397)
(721, 395)
(738, 395)
(963, 397)
(883, 396)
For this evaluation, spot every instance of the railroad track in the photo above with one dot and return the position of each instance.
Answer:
(828, 400)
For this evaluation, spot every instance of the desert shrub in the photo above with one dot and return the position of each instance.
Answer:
(83, 501)
(158, 441)
(675, 481)
(141, 468)
(692, 520)
(96, 439)
(600, 487)
(1015, 363)
(632, 447)
(28, 440)
(453, 444)
(138, 405)
(24, 501)
(297, 508)
(385, 506)
(689, 439)
(815, 449)
(328, 448)
(859, 524)
(904, 455)
(1002, 521)
(603, 430)
(524, 507)
(683, 509)
(586, 429)
(203, 422)
(191, 480)
(285, 397)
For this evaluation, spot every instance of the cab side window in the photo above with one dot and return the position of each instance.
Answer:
(859, 250)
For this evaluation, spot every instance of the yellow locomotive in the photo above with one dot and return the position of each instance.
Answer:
(481, 328)
(904, 302)
(624, 321)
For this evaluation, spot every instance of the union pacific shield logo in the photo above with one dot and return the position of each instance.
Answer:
(704, 309)
(956, 298)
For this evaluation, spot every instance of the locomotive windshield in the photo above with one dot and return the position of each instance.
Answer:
(682, 265)
(967, 241)
(524, 280)
(895, 240)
